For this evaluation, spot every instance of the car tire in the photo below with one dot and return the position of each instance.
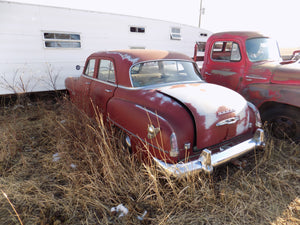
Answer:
(125, 141)
(283, 121)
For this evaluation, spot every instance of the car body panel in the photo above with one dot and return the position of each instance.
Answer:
(208, 110)
(187, 116)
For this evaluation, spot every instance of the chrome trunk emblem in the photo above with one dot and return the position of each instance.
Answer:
(231, 120)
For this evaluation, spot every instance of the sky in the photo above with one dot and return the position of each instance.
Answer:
(277, 18)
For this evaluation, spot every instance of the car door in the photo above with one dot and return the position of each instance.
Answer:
(85, 81)
(225, 66)
(103, 86)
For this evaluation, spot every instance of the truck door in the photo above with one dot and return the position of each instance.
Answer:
(224, 65)
(103, 87)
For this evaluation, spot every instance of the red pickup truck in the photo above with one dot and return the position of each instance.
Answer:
(250, 63)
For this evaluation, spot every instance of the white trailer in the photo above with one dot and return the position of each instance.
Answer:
(41, 45)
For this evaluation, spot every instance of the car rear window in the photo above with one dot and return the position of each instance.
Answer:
(163, 72)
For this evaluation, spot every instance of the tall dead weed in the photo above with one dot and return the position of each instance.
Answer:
(60, 167)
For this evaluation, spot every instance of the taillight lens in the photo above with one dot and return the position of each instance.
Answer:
(174, 152)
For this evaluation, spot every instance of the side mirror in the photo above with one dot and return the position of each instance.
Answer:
(296, 55)
(77, 67)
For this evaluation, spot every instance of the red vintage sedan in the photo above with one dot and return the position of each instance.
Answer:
(161, 103)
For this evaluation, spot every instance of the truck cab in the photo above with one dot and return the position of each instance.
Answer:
(250, 63)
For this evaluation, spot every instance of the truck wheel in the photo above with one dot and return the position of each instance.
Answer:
(283, 121)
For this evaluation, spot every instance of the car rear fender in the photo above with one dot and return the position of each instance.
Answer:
(146, 128)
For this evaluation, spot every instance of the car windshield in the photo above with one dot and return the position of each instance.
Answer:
(259, 49)
(163, 72)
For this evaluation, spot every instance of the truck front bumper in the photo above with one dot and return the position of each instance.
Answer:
(207, 161)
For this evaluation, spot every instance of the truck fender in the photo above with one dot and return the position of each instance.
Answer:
(261, 93)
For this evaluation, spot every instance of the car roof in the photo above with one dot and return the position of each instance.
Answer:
(124, 59)
(139, 55)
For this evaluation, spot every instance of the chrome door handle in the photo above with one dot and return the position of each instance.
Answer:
(87, 82)
(108, 90)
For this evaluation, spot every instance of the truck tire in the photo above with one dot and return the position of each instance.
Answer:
(283, 121)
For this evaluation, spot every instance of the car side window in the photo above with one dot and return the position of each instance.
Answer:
(106, 71)
(89, 70)
(226, 51)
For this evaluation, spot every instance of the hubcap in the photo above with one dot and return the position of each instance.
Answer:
(128, 142)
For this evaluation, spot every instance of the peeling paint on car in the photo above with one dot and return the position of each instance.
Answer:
(243, 123)
(206, 103)
(159, 98)
(126, 56)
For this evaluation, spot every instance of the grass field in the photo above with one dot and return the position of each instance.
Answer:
(58, 167)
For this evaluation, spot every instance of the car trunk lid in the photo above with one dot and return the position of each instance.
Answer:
(219, 113)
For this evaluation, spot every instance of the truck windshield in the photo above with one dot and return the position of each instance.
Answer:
(163, 72)
(259, 49)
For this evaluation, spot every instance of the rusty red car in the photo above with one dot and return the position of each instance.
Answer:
(161, 103)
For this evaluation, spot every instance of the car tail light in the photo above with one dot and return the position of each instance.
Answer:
(174, 152)
(257, 115)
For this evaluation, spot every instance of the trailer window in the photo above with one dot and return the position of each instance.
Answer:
(226, 51)
(175, 33)
(61, 40)
(137, 29)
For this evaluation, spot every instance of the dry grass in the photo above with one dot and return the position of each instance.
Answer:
(58, 167)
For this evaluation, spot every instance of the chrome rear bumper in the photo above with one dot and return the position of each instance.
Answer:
(207, 161)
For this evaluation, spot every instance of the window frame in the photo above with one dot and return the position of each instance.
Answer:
(174, 35)
(223, 49)
(142, 79)
(137, 29)
(112, 65)
(57, 38)
(88, 66)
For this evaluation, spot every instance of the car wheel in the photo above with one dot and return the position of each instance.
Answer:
(125, 141)
(283, 121)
